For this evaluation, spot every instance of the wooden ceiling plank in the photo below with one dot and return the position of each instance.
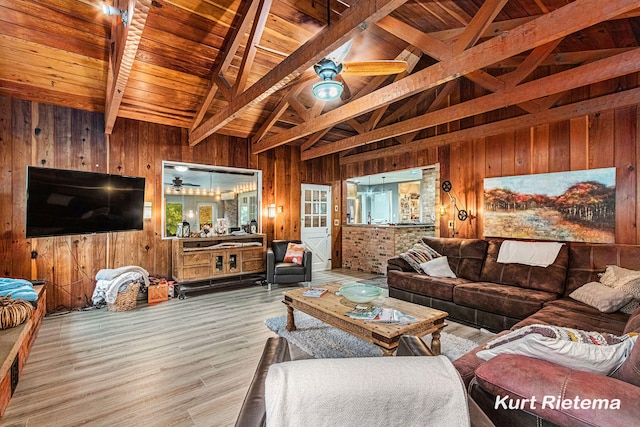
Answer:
(235, 38)
(478, 25)
(563, 58)
(591, 73)
(423, 41)
(592, 106)
(559, 23)
(120, 66)
(361, 14)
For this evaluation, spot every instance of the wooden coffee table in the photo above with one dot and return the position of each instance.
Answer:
(331, 309)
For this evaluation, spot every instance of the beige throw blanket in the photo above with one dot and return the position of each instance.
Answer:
(377, 391)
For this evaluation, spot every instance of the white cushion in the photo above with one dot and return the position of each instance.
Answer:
(438, 267)
(602, 297)
(572, 348)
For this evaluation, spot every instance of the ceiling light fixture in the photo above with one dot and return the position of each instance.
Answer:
(112, 10)
(328, 89)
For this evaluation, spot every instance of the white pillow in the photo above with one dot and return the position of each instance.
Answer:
(602, 297)
(438, 267)
(572, 348)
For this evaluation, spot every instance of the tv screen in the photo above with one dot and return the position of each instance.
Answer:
(62, 202)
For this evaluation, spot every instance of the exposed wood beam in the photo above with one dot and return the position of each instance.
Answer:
(478, 25)
(540, 31)
(217, 80)
(257, 29)
(276, 113)
(127, 39)
(594, 72)
(361, 14)
(313, 139)
(530, 63)
(592, 106)
(407, 107)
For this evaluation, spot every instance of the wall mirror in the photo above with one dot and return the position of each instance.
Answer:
(399, 197)
(209, 200)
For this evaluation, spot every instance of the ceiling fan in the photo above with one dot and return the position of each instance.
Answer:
(177, 183)
(330, 67)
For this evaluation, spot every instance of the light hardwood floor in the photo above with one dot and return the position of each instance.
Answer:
(178, 363)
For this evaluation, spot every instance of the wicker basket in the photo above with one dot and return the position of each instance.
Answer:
(126, 300)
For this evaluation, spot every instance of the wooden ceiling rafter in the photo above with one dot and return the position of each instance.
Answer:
(478, 25)
(582, 108)
(360, 14)
(121, 58)
(559, 23)
(587, 74)
(218, 82)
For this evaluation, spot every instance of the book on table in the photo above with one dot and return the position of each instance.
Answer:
(315, 292)
(364, 312)
(393, 316)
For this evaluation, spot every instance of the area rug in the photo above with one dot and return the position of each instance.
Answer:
(321, 340)
(380, 282)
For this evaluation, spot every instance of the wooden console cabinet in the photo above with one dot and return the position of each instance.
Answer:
(209, 259)
(15, 345)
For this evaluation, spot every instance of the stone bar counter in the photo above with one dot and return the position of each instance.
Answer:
(368, 247)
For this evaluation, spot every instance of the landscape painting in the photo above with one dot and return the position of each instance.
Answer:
(576, 206)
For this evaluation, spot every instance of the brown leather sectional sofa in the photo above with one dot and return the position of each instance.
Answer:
(510, 296)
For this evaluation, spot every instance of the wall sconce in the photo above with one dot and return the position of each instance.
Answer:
(461, 213)
(112, 10)
(271, 211)
(280, 209)
(443, 210)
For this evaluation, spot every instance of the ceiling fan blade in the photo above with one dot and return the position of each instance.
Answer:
(374, 68)
(338, 55)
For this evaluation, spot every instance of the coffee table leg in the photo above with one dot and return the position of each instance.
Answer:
(435, 342)
(291, 324)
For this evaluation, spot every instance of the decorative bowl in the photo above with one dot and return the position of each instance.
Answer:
(360, 293)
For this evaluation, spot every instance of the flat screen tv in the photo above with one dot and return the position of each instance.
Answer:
(63, 202)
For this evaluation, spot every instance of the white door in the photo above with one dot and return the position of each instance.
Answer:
(316, 224)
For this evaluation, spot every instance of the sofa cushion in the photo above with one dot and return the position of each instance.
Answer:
(438, 267)
(587, 260)
(633, 324)
(465, 255)
(506, 300)
(629, 372)
(530, 378)
(436, 287)
(574, 314)
(548, 279)
(418, 254)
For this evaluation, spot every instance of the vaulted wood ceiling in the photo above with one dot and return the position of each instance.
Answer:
(244, 68)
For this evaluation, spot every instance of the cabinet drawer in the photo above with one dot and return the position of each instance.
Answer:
(253, 254)
(197, 258)
(252, 265)
(200, 272)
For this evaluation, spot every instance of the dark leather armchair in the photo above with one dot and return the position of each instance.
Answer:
(279, 271)
(276, 350)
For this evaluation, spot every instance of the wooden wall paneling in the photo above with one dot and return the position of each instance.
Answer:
(147, 170)
(522, 152)
(293, 209)
(6, 188)
(508, 163)
(600, 140)
(579, 143)
(559, 146)
(540, 149)
(445, 172)
(625, 154)
(266, 164)
(461, 171)
(493, 156)
(478, 167)
(62, 276)
(637, 160)
(20, 158)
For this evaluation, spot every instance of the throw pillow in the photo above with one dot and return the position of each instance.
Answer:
(438, 267)
(605, 299)
(419, 254)
(581, 350)
(294, 253)
(615, 276)
(631, 307)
